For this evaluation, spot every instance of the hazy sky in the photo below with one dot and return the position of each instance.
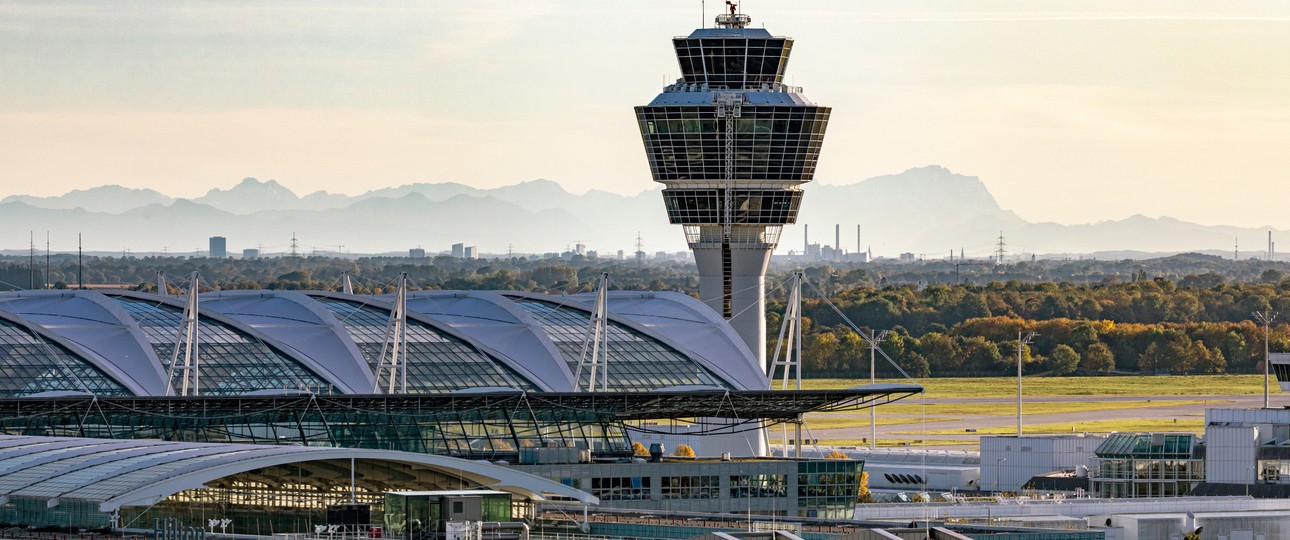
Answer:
(1070, 111)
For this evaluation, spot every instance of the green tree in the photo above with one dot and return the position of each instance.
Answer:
(980, 354)
(818, 352)
(1208, 361)
(941, 352)
(852, 354)
(1063, 359)
(1152, 360)
(1098, 358)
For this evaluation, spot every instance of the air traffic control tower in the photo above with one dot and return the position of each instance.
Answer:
(733, 145)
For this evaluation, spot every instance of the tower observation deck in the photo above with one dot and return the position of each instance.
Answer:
(733, 145)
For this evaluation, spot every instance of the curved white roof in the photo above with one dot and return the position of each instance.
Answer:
(94, 328)
(117, 473)
(467, 339)
(687, 324)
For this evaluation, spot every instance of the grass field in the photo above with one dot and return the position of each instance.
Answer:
(1059, 407)
(852, 421)
(1080, 403)
(883, 443)
(1092, 426)
(987, 387)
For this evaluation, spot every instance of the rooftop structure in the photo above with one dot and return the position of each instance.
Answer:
(492, 424)
(732, 145)
(121, 343)
(1147, 465)
(73, 482)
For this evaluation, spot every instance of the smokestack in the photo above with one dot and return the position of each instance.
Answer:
(858, 250)
(837, 241)
(806, 238)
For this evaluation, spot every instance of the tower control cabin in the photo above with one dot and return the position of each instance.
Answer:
(733, 145)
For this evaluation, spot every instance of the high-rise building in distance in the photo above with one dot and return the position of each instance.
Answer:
(733, 145)
(218, 247)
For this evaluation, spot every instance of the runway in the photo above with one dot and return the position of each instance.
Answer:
(919, 425)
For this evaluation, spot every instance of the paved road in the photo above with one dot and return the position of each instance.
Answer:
(1182, 411)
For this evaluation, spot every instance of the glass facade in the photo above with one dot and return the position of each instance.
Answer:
(636, 362)
(30, 364)
(437, 362)
(763, 487)
(754, 486)
(828, 488)
(621, 488)
(1146, 465)
(751, 207)
(423, 515)
(473, 427)
(690, 487)
(687, 142)
(733, 62)
(231, 362)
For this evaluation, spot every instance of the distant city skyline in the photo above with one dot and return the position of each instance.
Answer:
(1071, 112)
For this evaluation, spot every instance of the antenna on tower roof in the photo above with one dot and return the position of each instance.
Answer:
(734, 19)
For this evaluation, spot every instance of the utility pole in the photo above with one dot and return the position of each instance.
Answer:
(874, 338)
(80, 256)
(1023, 339)
(1265, 317)
(295, 246)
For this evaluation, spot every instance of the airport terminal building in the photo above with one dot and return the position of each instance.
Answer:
(490, 376)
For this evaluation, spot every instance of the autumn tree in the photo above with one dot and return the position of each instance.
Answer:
(1097, 359)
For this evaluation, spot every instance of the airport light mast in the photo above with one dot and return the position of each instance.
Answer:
(732, 144)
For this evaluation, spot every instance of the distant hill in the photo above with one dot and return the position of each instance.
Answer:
(928, 210)
(110, 199)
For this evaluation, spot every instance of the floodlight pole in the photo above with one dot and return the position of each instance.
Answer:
(1266, 317)
(875, 337)
(1023, 339)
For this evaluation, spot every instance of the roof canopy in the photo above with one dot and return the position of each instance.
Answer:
(117, 473)
(327, 342)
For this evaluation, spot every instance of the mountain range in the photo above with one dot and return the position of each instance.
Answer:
(929, 210)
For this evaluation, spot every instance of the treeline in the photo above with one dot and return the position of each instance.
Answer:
(1201, 325)
(368, 274)
(1129, 322)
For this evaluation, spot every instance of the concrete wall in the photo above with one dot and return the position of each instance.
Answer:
(1229, 454)
(1017, 460)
